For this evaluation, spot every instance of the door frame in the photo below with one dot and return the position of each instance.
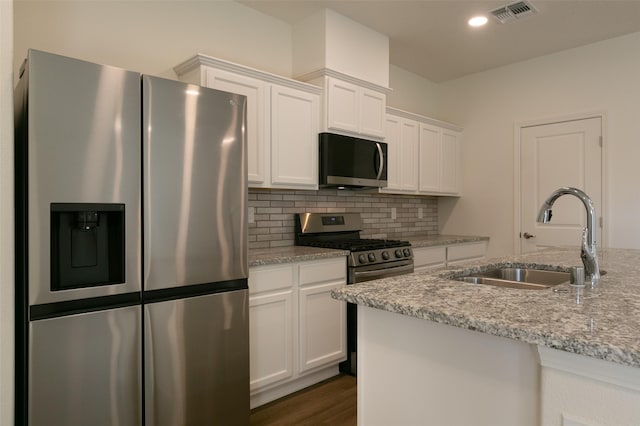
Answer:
(517, 129)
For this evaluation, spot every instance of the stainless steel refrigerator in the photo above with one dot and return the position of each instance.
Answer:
(131, 253)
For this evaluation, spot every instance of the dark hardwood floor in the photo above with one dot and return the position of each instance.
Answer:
(332, 402)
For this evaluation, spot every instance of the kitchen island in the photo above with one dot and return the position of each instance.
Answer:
(437, 351)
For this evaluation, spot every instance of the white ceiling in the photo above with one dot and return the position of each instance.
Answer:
(432, 39)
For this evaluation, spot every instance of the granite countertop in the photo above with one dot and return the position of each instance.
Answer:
(443, 240)
(604, 323)
(289, 254)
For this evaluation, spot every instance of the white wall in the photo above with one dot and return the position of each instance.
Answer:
(153, 37)
(413, 93)
(6, 213)
(602, 76)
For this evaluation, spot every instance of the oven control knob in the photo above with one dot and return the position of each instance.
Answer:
(385, 255)
(399, 253)
(372, 257)
(362, 258)
(406, 252)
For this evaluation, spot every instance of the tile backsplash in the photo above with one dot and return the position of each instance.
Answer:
(271, 213)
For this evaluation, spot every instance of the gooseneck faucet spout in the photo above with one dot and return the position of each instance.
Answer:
(588, 246)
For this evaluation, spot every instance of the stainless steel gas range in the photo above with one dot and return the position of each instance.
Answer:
(369, 259)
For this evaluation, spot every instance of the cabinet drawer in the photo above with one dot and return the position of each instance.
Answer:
(429, 256)
(466, 251)
(323, 271)
(270, 278)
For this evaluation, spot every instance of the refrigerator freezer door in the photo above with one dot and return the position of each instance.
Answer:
(86, 369)
(197, 361)
(83, 147)
(195, 185)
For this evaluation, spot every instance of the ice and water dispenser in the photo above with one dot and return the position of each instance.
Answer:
(87, 245)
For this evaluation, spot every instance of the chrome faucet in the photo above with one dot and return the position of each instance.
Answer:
(588, 247)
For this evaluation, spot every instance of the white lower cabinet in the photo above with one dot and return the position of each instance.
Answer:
(270, 325)
(322, 319)
(577, 390)
(297, 332)
(425, 258)
(460, 253)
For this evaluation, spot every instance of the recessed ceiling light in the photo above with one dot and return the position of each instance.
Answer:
(478, 21)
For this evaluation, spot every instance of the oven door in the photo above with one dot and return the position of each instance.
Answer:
(373, 272)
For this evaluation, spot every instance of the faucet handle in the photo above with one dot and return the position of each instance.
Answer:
(577, 275)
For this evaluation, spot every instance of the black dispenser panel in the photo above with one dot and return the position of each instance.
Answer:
(87, 245)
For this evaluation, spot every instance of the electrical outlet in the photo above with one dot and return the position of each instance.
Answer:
(252, 214)
(393, 213)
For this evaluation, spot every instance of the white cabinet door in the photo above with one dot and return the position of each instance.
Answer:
(271, 320)
(322, 319)
(355, 109)
(393, 139)
(342, 105)
(429, 158)
(372, 112)
(294, 138)
(402, 138)
(257, 117)
(270, 337)
(439, 160)
(450, 162)
(410, 155)
(322, 326)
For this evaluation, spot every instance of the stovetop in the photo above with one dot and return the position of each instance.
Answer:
(359, 244)
(342, 231)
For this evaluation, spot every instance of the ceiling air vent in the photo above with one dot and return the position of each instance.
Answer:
(513, 11)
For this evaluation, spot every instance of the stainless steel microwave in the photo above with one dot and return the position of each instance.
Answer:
(351, 163)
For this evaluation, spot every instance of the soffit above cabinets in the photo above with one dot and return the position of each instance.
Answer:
(431, 38)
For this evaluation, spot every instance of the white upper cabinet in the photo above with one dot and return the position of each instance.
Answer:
(282, 120)
(424, 155)
(342, 106)
(450, 175)
(429, 158)
(257, 116)
(294, 137)
(351, 106)
(372, 112)
(439, 160)
(354, 109)
(402, 138)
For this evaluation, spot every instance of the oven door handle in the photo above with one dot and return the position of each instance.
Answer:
(382, 273)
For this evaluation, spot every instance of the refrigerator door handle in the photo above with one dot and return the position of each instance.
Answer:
(149, 382)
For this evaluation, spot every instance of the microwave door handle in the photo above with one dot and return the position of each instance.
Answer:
(381, 162)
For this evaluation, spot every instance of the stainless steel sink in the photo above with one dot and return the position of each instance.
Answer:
(524, 278)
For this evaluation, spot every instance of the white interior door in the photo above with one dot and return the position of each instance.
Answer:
(552, 156)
